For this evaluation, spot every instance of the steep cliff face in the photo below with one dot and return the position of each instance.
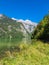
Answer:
(13, 30)
(10, 30)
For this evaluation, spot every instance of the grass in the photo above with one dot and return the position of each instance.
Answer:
(36, 53)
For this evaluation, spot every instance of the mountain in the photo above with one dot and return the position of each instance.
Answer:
(28, 24)
(42, 30)
(13, 30)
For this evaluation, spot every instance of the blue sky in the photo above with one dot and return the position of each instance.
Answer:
(33, 10)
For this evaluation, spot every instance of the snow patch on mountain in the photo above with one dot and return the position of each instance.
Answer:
(28, 24)
(1, 16)
(14, 19)
(27, 21)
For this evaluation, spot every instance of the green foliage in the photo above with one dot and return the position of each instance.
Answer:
(36, 53)
(42, 30)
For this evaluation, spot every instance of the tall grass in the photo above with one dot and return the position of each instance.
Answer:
(36, 53)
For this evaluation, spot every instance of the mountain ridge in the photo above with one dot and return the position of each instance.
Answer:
(12, 30)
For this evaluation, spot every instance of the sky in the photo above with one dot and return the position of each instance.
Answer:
(33, 10)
